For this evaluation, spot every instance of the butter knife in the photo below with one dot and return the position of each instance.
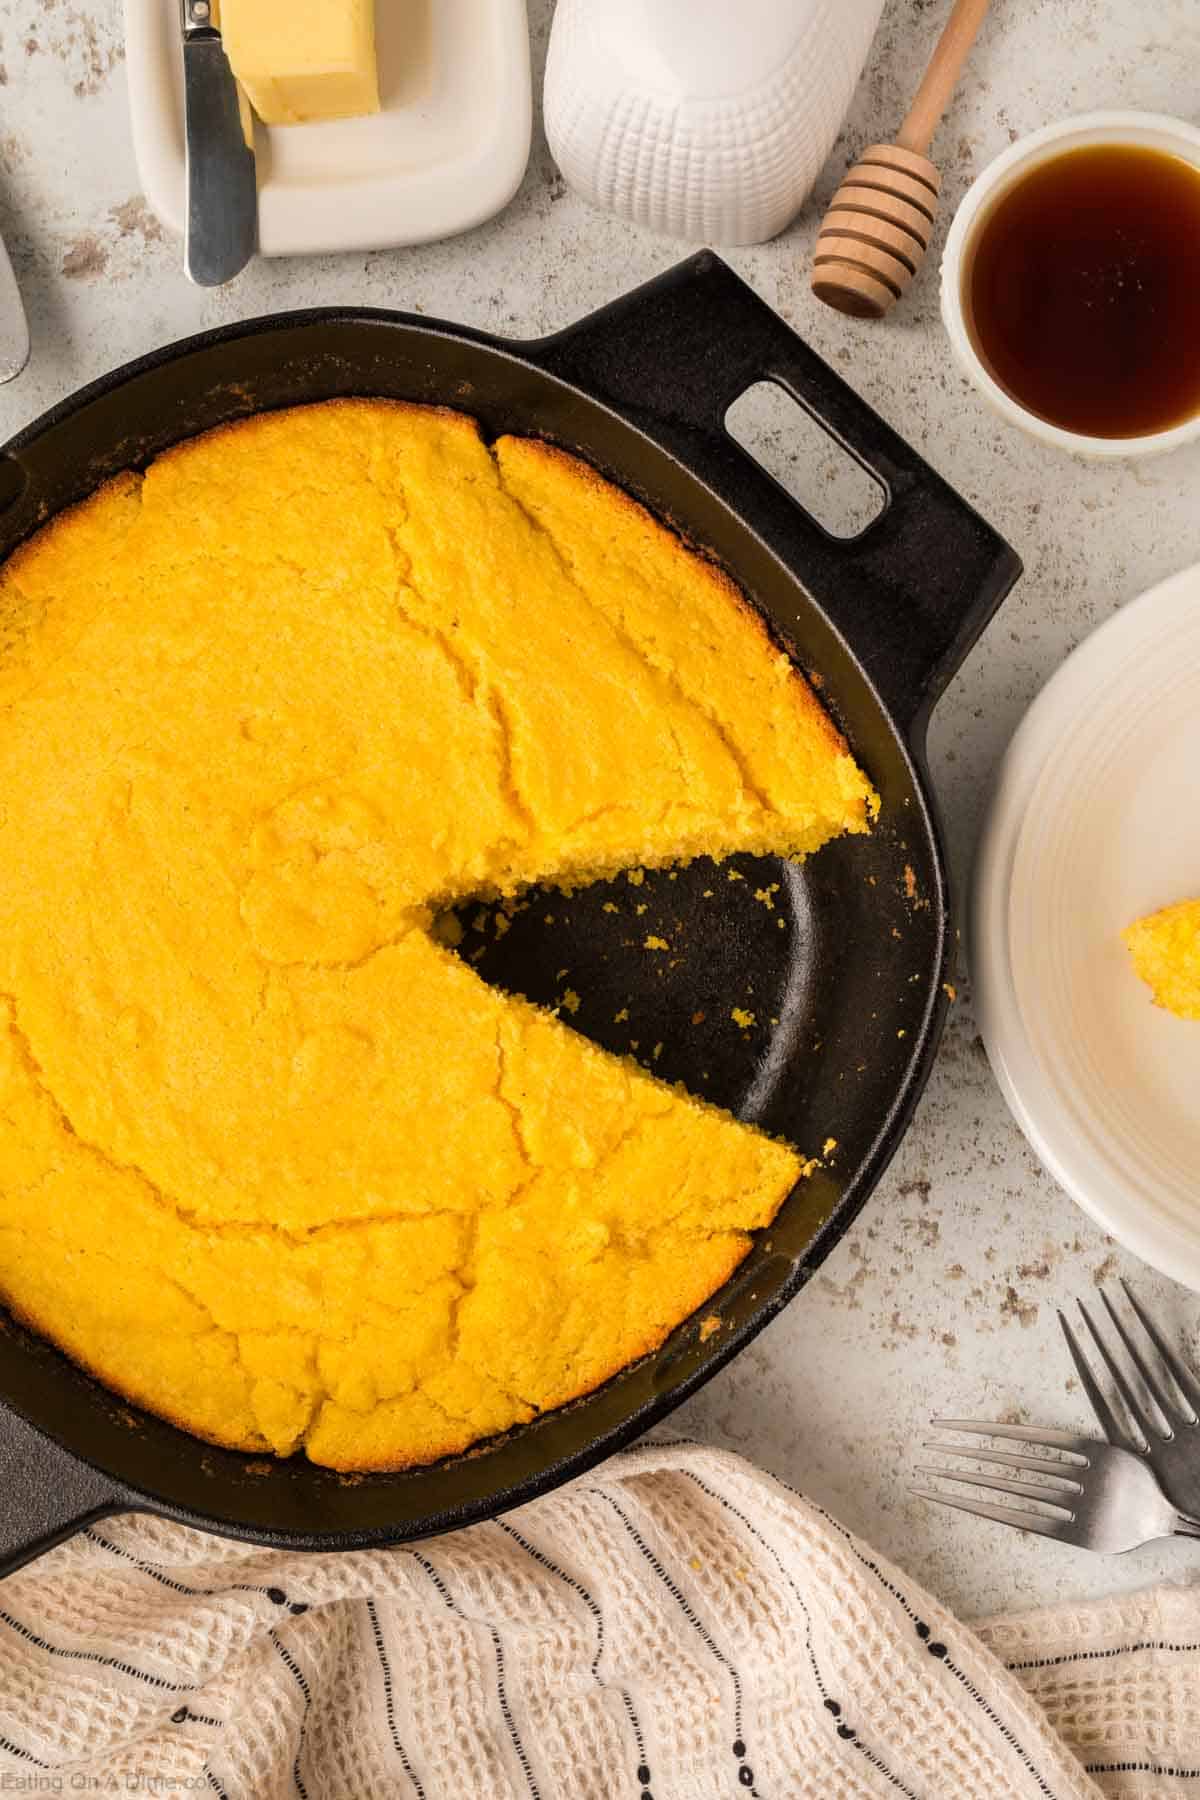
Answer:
(14, 327)
(222, 189)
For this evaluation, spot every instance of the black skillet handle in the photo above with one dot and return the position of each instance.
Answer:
(45, 1494)
(913, 591)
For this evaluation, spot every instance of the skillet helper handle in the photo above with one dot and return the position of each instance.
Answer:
(913, 591)
(45, 1494)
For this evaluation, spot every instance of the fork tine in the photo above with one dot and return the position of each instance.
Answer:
(1110, 1425)
(1025, 1434)
(1151, 1377)
(1121, 1382)
(1040, 1465)
(1026, 1490)
(1003, 1515)
(1181, 1375)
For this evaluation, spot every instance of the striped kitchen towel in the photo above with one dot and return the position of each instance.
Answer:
(676, 1625)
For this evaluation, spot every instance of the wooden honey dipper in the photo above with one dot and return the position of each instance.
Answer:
(880, 221)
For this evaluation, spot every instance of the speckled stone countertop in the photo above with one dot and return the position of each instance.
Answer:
(942, 1298)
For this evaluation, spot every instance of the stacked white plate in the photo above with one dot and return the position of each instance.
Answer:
(1096, 821)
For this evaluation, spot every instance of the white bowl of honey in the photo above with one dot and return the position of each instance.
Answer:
(1071, 284)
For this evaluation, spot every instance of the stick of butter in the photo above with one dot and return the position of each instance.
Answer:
(303, 60)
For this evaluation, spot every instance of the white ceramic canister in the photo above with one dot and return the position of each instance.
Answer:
(703, 119)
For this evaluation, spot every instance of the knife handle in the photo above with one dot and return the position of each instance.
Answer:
(222, 190)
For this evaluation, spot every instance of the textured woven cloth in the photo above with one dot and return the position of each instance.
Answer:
(675, 1626)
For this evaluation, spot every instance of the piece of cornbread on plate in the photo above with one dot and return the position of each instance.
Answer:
(1165, 947)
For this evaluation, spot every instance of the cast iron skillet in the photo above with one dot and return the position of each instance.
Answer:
(847, 995)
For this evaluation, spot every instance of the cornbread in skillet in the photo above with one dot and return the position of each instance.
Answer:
(1165, 948)
(274, 1162)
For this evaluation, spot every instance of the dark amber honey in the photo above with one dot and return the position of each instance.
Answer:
(1083, 291)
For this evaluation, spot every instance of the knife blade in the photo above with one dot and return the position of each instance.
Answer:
(222, 189)
(14, 327)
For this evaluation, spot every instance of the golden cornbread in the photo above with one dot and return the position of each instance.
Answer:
(1165, 947)
(273, 1162)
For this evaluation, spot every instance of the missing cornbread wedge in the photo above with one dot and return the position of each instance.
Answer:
(274, 1163)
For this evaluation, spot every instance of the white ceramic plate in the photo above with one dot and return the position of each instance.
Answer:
(1095, 821)
(447, 150)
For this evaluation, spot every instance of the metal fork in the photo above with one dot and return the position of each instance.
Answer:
(1143, 1378)
(1104, 1498)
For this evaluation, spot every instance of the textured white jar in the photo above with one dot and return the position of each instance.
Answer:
(702, 118)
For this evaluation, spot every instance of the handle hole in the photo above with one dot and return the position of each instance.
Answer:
(788, 442)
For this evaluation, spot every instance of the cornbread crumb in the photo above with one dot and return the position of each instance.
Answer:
(656, 943)
(709, 1327)
(571, 1000)
(741, 1017)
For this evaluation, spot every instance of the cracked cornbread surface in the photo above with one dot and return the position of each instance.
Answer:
(273, 1162)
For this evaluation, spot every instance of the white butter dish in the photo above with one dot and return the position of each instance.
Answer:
(446, 151)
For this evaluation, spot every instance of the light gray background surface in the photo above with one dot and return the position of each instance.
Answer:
(942, 1299)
